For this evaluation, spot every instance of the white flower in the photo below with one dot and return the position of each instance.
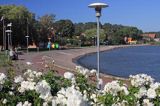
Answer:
(151, 93)
(26, 85)
(61, 97)
(82, 70)
(142, 92)
(94, 97)
(141, 80)
(11, 93)
(155, 85)
(123, 88)
(112, 88)
(54, 102)
(73, 81)
(2, 78)
(70, 97)
(26, 103)
(39, 74)
(12, 88)
(93, 71)
(43, 88)
(78, 68)
(68, 75)
(19, 104)
(18, 79)
(34, 72)
(31, 75)
(123, 103)
(4, 101)
(85, 72)
(45, 104)
(146, 102)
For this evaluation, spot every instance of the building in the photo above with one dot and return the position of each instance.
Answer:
(150, 35)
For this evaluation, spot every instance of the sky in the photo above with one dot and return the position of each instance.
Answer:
(143, 14)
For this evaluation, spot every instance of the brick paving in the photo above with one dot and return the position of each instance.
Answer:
(63, 59)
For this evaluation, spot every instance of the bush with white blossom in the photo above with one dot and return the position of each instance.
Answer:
(76, 89)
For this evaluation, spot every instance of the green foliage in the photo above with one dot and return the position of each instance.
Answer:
(91, 33)
(4, 62)
(79, 28)
(56, 82)
(116, 33)
(11, 73)
(106, 99)
(3, 59)
(32, 97)
(45, 27)
(64, 28)
(19, 16)
(84, 85)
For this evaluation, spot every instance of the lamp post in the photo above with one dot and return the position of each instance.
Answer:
(27, 42)
(8, 33)
(98, 7)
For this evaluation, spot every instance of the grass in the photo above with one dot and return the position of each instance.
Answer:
(3, 59)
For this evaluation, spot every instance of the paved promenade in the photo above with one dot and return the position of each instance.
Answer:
(63, 59)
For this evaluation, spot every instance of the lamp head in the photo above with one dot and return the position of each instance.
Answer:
(98, 7)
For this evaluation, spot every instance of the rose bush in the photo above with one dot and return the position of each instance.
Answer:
(37, 89)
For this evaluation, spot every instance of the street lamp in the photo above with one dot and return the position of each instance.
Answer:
(27, 42)
(9, 32)
(9, 39)
(98, 7)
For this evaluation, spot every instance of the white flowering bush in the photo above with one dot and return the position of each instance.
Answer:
(142, 91)
(76, 89)
(141, 80)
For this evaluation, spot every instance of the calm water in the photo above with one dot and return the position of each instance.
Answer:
(123, 62)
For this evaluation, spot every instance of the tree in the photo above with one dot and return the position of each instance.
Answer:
(64, 28)
(79, 28)
(90, 25)
(19, 16)
(116, 33)
(45, 27)
(91, 35)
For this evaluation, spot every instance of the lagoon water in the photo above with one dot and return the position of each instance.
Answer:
(123, 62)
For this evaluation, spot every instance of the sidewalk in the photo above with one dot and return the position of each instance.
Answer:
(63, 59)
